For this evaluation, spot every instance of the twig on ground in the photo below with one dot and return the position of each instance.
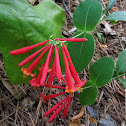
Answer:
(45, 90)
(100, 97)
(16, 113)
(67, 9)
(31, 119)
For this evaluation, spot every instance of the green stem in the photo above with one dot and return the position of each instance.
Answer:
(118, 76)
(79, 34)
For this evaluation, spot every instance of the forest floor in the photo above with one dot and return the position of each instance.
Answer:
(20, 105)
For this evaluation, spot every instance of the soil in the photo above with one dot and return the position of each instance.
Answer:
(20, 105)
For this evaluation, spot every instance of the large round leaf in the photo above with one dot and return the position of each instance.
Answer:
(121, 63)
(87, 15)
(82, 52)
(101, 71)
(21, 25)
(89, 94)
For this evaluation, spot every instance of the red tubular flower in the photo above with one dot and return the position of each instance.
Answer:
(73, 39)
(46, 66)
(58, 107)
(31, 57)
(78, 82)
(72, 68)
(33, 65)
(69, 83)
(52, 73)
(66, 108)
(55, 107)
(58, 68)
(53, 86)
(26, 49)
(57, 111)
(36, 81)
(53, 95)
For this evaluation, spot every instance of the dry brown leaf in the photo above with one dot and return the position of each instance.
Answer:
(9, 86)
(92, 119)
(78, 116)
(75, 123)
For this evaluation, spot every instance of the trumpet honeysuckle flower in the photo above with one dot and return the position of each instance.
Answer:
(71, 73)
(58, 68)
(40, 80)
(73, 39)
(31, 57)
(52, 73)
(27, 49)
(46, 67)
(54, 86)
(66, 107)
(69, 83)
(52, 96)
(58, 107)
(55, 106)
(78, 82)
(72, 81)
(34, 64)
(67, 101)
(36, 81)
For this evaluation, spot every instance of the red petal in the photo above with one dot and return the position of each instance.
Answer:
(73, 39)
(66, 108)
(36, 81)
(72, 68)
(33, 65)
(52, 73)
(31, 57)
(46, 66)
(68, 74)
(58, 68)
(54, 86)
(53, 95)
(54, 107)
(26, 49)
(56, 112)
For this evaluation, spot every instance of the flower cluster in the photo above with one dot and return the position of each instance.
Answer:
(72, 80)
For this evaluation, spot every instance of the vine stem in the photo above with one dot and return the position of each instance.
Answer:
(78, 34)
(118, 76)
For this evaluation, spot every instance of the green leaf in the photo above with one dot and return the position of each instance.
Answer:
(87, 15)
(113, 21)
(82, 52)
(119, 15)
(121, 62)
(123, 81)
(102, 71)
(22, 25)
(111, 4)
(89, 94)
